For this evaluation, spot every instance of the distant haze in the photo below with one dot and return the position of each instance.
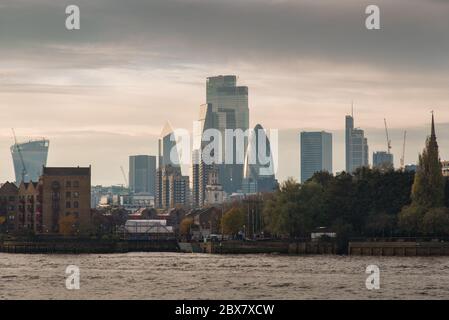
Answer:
(104, 92)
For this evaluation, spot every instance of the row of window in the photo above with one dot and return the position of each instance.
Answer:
(68, 204)
(69, 184)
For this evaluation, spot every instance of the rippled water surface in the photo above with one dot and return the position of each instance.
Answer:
(202, 276)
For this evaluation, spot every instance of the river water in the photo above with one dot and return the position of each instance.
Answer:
(204, 276)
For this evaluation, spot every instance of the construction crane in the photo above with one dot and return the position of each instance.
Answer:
(17, 146)
(124, 176)
(388, 137)
(403, 151)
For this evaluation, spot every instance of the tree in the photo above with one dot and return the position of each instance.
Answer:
(436, 221)
(411, 218)
(233, 221)
(185, 226)
(428, 187)
(295, 209)
(68, 225)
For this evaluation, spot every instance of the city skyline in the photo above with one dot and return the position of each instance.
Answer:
(103, 93)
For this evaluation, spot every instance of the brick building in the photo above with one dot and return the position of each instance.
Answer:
(8, 205)
(29, 208)
(66, 191)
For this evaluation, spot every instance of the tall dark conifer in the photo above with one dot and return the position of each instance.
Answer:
(428, 187)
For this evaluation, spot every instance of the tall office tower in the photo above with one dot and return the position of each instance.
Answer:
(356, 147)
(142, 174)
(172, 188)
(196, 178)
(200, 173)
(316, 153)
(229, 107)
(168, 152)
(383, 160)
(258, 173)
(29, 158)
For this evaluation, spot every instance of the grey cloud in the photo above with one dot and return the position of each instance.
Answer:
(414, 33)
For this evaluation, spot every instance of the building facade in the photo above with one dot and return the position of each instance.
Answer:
(66, 192)
(356, 147)
(172, 188)
(142, 174)
(29, 158)
(9, 193)
(259, 166)
(445, 168)
(383, 160)
(229, 110)
(316, 153)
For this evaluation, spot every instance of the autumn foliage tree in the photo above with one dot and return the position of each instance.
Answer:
(233, 221)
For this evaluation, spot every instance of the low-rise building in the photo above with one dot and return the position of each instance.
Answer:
(8, 205)
(66, 192)
(445, 168)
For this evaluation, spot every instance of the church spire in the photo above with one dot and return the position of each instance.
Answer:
(432, 134)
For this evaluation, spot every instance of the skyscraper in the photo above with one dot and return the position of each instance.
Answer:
(142, 174)
(29, 158)
(258, 173)
(229, 108)
(356, 146)
(383, 160)
(172, 188)
(316, 153)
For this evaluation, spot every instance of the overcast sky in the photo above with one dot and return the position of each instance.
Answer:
(104, 92)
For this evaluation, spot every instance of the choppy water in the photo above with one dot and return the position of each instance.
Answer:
(202, 276)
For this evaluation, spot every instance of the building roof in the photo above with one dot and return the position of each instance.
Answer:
(66, 171)
(8, 187)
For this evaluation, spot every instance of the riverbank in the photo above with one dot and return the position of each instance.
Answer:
(85, 246)
(367, 248)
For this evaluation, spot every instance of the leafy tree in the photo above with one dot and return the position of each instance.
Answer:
(185, 226)
(233, 221)
(436, 221)
(411, 218)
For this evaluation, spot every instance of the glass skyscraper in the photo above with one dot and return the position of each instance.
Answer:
(356, 147)
(258, 173)
(316, 153)
(383, 160)
(142, 174)
(34, 155)
(229, 110)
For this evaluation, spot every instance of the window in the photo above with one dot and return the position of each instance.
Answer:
(12, 198)
(68, 194)
(67, 204)
(75, 204)
(77, 214)
(76, 184)
(68, 184)
(67, 213)
(76, 194)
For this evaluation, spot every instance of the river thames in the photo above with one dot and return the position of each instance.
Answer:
(204, 276)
